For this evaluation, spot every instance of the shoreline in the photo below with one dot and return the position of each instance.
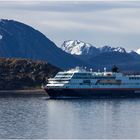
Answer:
(24, 92)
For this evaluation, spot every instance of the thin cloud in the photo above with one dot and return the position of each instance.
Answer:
(67, 6)
(112, 23)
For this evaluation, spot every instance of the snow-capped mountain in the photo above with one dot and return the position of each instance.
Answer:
(77, 47)
(112, 49)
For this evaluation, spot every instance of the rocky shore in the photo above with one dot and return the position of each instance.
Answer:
(28, 93)
(24, 74)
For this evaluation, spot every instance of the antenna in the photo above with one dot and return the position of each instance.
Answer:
(105, 69)
(90, 69)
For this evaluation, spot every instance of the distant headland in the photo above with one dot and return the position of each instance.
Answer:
(21, 74)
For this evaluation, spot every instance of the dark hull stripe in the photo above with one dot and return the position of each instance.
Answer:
(92, 88)
(54, 93)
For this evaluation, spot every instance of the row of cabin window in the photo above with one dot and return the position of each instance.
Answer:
(134, 78)
(108, 84)
(82, 74)
(60, 80)
(130, 83)
(118, 84)
(67, 74)
(93, 77)
(62, 77)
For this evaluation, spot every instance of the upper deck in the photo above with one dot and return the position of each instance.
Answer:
(82, 78)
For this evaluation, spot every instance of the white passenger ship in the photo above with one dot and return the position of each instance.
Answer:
(79, 82)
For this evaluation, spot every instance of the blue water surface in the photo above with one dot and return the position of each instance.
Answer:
(38, 117)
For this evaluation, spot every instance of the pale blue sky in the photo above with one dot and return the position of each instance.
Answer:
(99, 23)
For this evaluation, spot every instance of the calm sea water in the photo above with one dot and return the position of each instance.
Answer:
(38, 117)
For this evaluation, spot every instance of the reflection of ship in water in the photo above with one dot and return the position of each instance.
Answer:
(79, 82)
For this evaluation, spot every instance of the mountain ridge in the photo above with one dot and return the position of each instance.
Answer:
(82, 48)
(105, 56)
(18, 40)
(23, 41)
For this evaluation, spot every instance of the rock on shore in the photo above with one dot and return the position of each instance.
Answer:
(24, 73)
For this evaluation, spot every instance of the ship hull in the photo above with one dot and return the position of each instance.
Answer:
(92, 93)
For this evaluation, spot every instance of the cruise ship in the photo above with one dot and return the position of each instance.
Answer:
(80, 82)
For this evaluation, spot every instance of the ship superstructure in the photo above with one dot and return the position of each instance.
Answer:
(80, 82)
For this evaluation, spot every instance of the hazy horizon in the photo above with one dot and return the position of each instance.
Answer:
(99, 23)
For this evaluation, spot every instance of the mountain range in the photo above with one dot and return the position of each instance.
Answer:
(77, 47)
(18, 40)
(105, 56)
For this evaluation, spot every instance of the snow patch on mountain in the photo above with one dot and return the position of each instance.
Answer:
(76, 47)
(1, 37)
(138, 51)
(112, 49)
